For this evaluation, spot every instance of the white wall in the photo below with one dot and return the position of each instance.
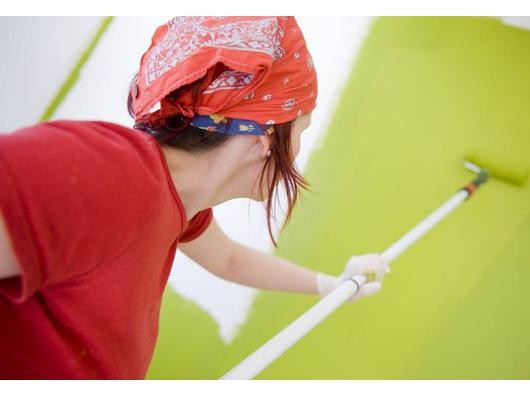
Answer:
(37, 55)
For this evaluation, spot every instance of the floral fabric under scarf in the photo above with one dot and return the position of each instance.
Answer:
(257, 72)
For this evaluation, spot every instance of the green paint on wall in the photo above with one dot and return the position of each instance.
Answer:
(188, 345)
(424, 92)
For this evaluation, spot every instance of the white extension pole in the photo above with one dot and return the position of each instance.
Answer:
(281, 342)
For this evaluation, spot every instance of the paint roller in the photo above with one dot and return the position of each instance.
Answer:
(503, 169)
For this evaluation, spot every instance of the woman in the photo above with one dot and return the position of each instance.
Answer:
(92, 212)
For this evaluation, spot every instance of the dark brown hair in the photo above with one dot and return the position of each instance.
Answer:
(177, 132)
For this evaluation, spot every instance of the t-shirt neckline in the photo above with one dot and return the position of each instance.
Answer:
(172, 186)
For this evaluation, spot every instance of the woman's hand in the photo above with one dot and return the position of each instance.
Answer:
(356, 265)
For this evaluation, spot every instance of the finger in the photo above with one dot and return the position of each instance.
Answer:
(381, 271)
(364, 263)
(367, 289)
(386, 262)
(370, 288)
(384, 268)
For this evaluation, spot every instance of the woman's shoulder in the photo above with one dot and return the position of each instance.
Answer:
(87, 129)
(92, 128)
(91, 136)
(111, 153)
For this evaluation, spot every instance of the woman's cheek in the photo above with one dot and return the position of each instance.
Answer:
(296, 148)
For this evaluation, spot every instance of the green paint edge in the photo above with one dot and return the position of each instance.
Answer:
(74, 74)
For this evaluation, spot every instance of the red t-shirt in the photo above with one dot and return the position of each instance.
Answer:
(94, 220)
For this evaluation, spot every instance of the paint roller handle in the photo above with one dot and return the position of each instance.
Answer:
(358, 280)
(281, 342)
(407, 240)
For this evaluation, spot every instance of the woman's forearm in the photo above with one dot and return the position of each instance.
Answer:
(253, 268)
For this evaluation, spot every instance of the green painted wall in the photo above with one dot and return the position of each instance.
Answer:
(424, 91)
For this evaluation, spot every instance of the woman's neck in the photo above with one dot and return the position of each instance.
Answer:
(201, 180)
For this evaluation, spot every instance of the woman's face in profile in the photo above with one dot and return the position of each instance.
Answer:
(298, 126)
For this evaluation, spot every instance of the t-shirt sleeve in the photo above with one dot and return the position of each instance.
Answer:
(74, 196)
(197, 225)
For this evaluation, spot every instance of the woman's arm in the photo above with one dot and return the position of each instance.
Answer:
(260, 270)
(238, 263)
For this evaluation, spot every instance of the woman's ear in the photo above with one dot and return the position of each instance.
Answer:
(266, 143)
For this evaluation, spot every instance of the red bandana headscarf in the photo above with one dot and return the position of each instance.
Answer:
(256, 68)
